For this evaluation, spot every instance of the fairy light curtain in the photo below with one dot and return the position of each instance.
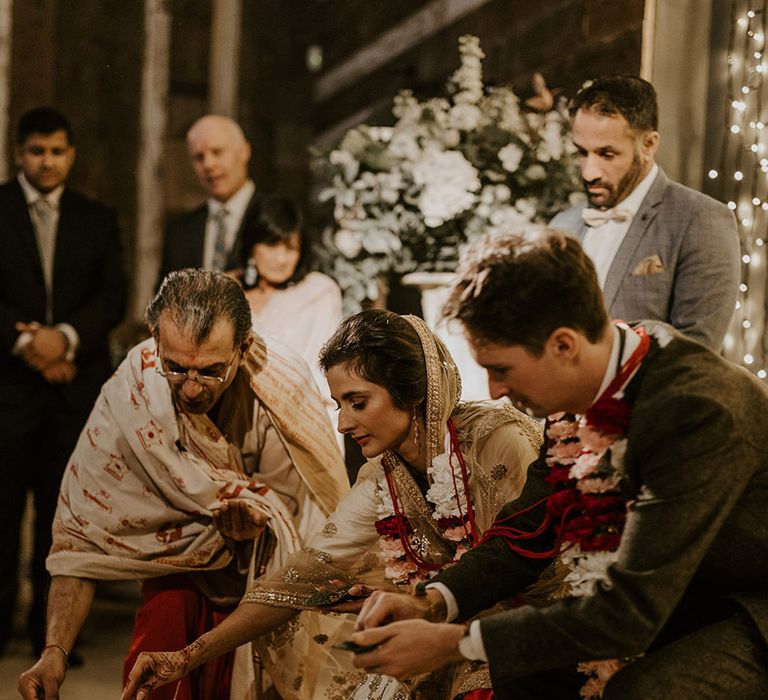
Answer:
(742, 176)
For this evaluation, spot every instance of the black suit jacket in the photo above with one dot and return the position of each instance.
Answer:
(89, 291)
(185, 240)
(696, 538)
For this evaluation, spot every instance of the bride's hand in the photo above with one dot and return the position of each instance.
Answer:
(354, 600)
(153, 669)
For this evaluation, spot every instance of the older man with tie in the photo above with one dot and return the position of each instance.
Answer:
(209, 236)
(661, 250)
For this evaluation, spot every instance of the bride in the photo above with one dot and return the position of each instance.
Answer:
(437, 472)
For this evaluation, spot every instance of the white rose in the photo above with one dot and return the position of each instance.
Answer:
(348, 242)
(536, 172)
(510, 157)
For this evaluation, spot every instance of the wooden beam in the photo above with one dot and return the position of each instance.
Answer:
(6, 32)
(431, 19)
(224, 58)
(150, 206)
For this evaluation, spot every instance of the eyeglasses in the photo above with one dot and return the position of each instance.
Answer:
(203, 376)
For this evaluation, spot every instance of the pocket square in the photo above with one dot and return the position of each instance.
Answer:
(648, 266)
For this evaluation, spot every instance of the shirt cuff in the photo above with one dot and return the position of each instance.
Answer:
(22, 341)
(471, 647)
(73, 340)
(451, 609)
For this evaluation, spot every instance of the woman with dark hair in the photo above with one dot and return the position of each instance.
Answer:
(298, 307)
(437, 473)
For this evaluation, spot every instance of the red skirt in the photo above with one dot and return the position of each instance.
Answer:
(175, 613)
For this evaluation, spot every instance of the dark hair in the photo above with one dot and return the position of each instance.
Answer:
(631, 97)
(517, 289)
(42, 120)
(383, 348)
(196, 299)
(276, 221)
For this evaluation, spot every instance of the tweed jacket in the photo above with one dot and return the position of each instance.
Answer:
(678, 263)
(696, 538)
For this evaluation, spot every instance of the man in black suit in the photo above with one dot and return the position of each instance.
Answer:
(653, 503)
(209, 236)
(62, 288)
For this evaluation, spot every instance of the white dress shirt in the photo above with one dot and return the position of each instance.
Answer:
(471, 647)
(235, 207)
(31, 195)
(601, 243)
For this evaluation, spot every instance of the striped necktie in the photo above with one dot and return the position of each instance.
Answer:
(44, 219)
(220, 252)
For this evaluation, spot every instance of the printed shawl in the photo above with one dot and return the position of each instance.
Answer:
(139, 490)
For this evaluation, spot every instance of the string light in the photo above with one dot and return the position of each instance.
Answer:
(741, 178)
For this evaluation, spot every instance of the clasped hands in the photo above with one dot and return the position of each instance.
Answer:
(46, 352)
(407, 642)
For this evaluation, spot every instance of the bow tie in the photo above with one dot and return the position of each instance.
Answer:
(598, 217)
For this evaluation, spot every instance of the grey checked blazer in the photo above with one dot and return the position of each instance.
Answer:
(678, 263)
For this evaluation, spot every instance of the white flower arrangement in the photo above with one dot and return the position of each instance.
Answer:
(410, 196)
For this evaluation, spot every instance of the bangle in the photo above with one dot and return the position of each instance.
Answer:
(59, 647)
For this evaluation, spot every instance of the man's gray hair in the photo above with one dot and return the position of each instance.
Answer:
(195, 299)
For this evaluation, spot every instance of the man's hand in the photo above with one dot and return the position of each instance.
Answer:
(43, 680)
(59, 372)
(409, 648)
(239, 520)
(153, 669)
(47, 345)
(382, 608)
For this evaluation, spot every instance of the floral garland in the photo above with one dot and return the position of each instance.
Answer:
(585, 456)
(451, 510)
(586, 460)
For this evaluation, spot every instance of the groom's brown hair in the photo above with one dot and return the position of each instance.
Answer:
(516, 289)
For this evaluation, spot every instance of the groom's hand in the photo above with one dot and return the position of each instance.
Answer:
(382, 608)
(408, 648)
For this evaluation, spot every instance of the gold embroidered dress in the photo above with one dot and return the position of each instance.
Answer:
(497, 442)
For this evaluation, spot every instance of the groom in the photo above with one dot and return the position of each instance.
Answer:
(671, 460)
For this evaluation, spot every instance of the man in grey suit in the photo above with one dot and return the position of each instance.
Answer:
(662, 251)
(209, 236)
(653, 503)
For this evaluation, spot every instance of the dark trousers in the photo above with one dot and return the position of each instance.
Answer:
(724, 660)
(36, 439)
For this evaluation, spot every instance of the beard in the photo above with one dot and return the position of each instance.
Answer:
(616, 193)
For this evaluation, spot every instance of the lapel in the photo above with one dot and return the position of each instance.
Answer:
(66, 233)
(645, 216)
(20, 224)
(234, 259)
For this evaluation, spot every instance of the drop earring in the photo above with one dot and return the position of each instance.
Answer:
(251, 275)
(416, 429)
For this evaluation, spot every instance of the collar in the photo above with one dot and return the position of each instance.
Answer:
(236, 204)
(631, 203)
(32, 194)
(614, 362)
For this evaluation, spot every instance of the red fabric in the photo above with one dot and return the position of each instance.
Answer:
(173, 614)
(479, 694)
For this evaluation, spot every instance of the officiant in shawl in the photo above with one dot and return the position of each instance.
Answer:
(207, 455)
